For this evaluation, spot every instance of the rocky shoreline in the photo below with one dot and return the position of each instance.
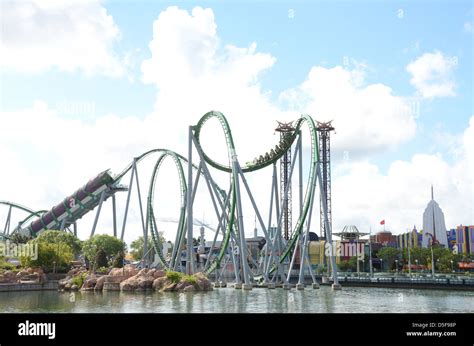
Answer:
(129, 279)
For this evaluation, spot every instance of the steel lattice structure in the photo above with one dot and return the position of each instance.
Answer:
(324, 130)
(277, 257)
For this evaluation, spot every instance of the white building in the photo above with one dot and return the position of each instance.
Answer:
(433, 224)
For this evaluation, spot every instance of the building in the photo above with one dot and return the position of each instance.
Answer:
(412, 239)
(434, 227)
(350, 244)
(384, 238)
(465, 239)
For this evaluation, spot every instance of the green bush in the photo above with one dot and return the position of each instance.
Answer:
(7, 266)
(189, 278)
(50, 256)
(173, 276)
(55, 237)
(102, 244)
(118, 260)
(79, 279)
(103, 270)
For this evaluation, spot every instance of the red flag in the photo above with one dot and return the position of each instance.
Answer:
(382, 222)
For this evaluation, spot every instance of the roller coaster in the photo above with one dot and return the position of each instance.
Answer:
(276, 259)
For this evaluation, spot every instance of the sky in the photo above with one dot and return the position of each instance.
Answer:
(88, 85)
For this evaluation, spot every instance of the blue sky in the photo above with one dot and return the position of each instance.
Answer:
(385, 35)
(379, 39)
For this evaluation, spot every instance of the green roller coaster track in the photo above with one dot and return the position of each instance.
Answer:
(231, 167)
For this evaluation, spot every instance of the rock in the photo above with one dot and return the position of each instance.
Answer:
(29, 270)
(182, 285)
(189, 289)
(159, 274)
(169, 287)
(74, 287)
(142, 272)
(89, 282)
(38, 270)
(67, 286)
(64, 281)
(22, 273)
(31, 277)
(202, 282)
(141, 281)
(159, 283)
(99, 285)
(128, 271)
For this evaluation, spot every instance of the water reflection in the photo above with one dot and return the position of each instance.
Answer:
(230, 300)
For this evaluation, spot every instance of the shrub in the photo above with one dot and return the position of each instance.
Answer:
(111, 246)
(190, 278)
(173, 276)
(79, 279)
(103, 270)
(7, 266)
(57, 256)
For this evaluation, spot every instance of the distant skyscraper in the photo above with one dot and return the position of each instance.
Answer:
(434, 226)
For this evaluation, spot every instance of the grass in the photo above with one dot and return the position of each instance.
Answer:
(173, 276)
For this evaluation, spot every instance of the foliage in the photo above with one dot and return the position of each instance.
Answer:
(103, 270)
(79, 279)
(6, 265)
(138, 244)
(100, 258)
(173, 276)
(50, 256)
(55, 237)
(118, 260)
(190, 278)
(100, 244)
(19, 238)
(442, 257)
(389, 255)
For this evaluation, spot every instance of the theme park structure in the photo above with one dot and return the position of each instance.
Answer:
(281, 246)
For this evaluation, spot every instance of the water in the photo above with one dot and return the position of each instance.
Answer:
(230, 300)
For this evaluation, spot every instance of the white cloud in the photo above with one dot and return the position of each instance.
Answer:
(468, 27)
(432, 75)
(68, 35)
(362, 195)
(202, 74)
(367, 118)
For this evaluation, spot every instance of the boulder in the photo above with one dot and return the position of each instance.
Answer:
(159, 283)
(189, 289)
(89, 282)
(22, 273)
(99, 285)
(128, 271)
(159, 274)
(31, 277)
(141, 281)
(64, 281)
(170, 286)
(182, 285)
(202, 282)
(74, 287)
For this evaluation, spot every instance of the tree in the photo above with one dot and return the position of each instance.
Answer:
(101, 259)
(138, 244)
(110, 245)
(50, 256)
(388, 254)
(19, 238)
(55, 237)
(118, 260)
